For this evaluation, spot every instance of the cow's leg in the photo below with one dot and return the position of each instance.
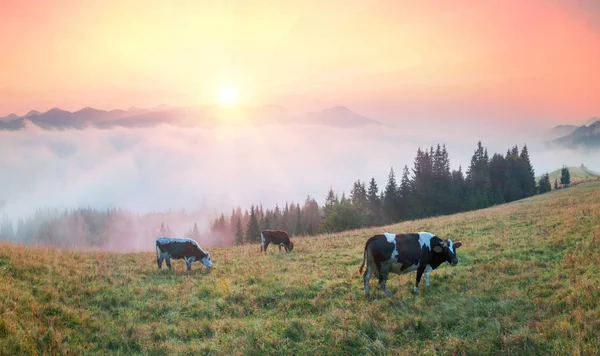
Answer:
(188, 263)
(419, 275)
(384, 271)
(279, 248)
(168, 259)
(266, 245)
(427, 270)
(367, 276)
(159, 261)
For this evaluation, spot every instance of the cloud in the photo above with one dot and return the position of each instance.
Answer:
(166, 167)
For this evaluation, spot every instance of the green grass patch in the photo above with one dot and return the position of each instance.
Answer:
(528, 283)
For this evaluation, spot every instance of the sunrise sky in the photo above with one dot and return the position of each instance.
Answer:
(496, 60)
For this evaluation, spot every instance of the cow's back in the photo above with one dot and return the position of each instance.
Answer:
(177, 248)
(276, 236)
(380, 247)
(405, 248)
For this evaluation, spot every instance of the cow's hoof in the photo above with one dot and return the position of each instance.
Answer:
(416, 290)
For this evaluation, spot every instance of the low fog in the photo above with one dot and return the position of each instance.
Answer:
(213, 170)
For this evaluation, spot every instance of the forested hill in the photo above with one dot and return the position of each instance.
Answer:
(430, 188)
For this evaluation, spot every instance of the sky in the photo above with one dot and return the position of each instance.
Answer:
(502, 62)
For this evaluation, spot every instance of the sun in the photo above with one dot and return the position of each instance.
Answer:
(228, 97)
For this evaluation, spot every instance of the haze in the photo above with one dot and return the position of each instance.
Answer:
(451, 72)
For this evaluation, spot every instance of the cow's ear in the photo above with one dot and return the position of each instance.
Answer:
(438, 249)
(457, 244)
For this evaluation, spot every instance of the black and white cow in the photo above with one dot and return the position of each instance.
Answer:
(403, 253)
(168, 248)
(275, 237)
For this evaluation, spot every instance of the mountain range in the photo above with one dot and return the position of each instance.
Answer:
(207, 116)
(586, 136)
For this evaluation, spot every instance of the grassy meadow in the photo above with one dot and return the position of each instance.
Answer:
(528, 282)
(577, 174)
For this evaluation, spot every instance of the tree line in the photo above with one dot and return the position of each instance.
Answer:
(429, 188)
(110, 229)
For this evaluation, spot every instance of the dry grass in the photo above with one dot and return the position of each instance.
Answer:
(527, 283)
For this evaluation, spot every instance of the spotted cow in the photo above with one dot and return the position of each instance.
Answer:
(168, 248)
(404, 253)
(275, 237)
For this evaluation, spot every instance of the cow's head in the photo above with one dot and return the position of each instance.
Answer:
(447, 249)
(291, 246)
(206, 260)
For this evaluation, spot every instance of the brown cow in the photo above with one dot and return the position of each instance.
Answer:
(275, 237)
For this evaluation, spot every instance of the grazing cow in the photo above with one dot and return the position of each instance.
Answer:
(188, 249)
(275, 237)
(403, 253)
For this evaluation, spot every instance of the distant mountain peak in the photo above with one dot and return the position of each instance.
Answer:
(55, 110)
(587, 137)
(32, 113)
(340, 109)
(340, 116)
(592, 120)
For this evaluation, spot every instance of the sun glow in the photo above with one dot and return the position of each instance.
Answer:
(228, 97)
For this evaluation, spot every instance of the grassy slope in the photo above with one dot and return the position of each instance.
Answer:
(527, 283)
(577, 174)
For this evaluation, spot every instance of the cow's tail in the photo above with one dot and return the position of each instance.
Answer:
(262, 242)
(157, 252)
(365, 253)
(363, 263)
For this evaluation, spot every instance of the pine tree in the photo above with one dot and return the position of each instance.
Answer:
(374, 202)
(544, 184)
(358, 195)
(163, 230)
(298, 228)
(284, 218)
(390, 199)
(252, 230)
(239, 234)
(528, 174)
(565, 177)
(423, 184)
(330, 202)
(498, 178)
(441, 177)
(478, 180)
(194, 233)
(266, 225)
(405, 195)
(458, 190)
(311, 215)
(555, 182)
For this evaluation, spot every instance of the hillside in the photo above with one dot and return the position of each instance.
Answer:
(527, 283)
(562, 130)
(586, 137)
(577, 174)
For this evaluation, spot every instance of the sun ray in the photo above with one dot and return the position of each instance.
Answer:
(228, 97)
